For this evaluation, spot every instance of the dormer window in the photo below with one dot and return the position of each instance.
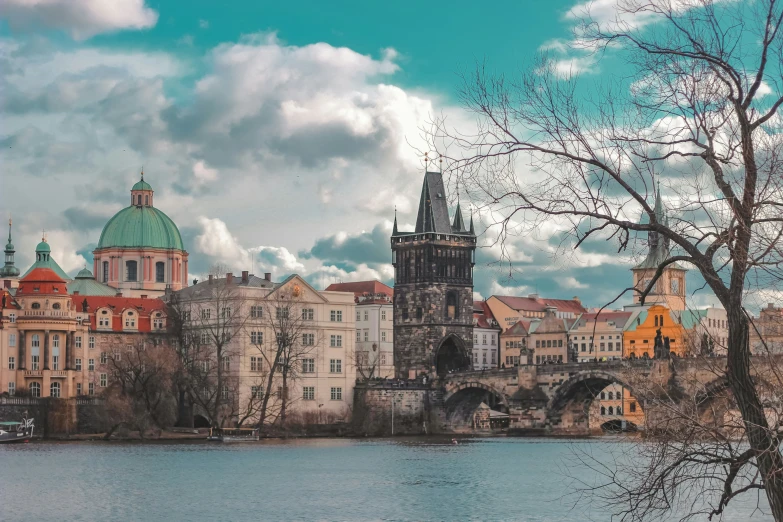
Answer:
(56, 306)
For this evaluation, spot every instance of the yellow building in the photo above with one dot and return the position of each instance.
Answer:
(642, 329)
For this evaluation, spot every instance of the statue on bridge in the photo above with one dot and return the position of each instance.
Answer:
(661, 349)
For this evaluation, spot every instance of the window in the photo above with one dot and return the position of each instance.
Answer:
(78, 388)
(105, 271)
(130, 270)
(91, 365)
(336, 341)
(225, 312)
(281, 312)
(632, 406)
(36, 306)
(336, 316)
(160, 272)
(483, 338)
(559, 343)
(419, 312)
(104, 358)
(358, 315)
(366, 335)
(383, 359)
(35, 389)
(36, 341)
(484, 358)
(308, 365)
(538, 344)
(204, 338)
(78, 341)
(36, 358)
(11, 318)
(256, 312)
(366, 315)
(308, 314)
(11, 363)
(224, 392)
(91, 342)
(383, 336)
(492, 339)
(91, 388)
(255, 365)
(255, 392)
(78, 365)
(138, 200)
(335, 366)
(206, 313)
(55, 306)
(308, 339)
(383, 315)
(11, 388)
(205, 366)
(308, 393)
(226, 363)
(130, 320)
(103, 380)
(104, 319)
(337, 394)
(611, 396)
(54, 390)
(603, 395)
(451, 305)
(55, 358)
(257, 337)
(358, 336)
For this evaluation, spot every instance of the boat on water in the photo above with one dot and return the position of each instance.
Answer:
(233, 434)
(16, 431)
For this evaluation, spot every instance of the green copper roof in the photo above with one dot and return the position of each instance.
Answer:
(139, 227)
(43, 259)
(86, 284)
(141, 185)
(9, 269)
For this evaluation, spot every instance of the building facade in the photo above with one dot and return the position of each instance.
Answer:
(374, 327)
(549, 339)
(486, 338)
(766, 332)
(599, 336)
(433, 288)
(247, 318)
(140, 251)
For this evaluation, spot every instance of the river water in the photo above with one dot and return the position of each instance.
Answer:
(321, 479)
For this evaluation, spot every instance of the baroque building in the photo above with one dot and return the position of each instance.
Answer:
(433, 287)
(669, 290)
(140, 251)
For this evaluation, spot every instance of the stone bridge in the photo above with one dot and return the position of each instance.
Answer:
(556, 398)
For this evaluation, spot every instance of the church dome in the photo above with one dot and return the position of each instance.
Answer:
(140, 227)
(142, 185)
(42, 247)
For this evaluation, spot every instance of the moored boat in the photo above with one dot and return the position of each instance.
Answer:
(16, 431)
(233, 434)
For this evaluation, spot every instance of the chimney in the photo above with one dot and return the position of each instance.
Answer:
(229, 278)
(118, 294)
(576, 298)
(550, 310)
(533, 296)
(268, 276)
(195, 282)
(245, 276)
(210, 278)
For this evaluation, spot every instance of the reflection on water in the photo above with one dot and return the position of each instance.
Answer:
(314, 479)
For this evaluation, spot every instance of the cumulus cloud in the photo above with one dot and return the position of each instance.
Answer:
(81, 19)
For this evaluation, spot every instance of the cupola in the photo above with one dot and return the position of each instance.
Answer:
(141, 193)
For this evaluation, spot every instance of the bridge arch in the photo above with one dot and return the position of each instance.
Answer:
(568, 407)
(462, 399)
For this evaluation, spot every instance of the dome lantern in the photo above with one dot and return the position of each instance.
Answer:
(141, 193)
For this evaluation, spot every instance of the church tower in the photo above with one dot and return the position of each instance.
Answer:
(670, 288)
(433, 287)
(9, 273)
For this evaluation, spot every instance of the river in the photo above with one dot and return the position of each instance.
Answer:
(319, 479)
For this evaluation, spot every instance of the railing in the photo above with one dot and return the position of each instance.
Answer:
(46, 313)
(33, 373)
(58, 373)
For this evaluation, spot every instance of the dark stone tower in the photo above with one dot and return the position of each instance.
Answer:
(433, 288)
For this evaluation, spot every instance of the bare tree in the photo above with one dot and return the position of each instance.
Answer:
(698, 111)
(289, 352)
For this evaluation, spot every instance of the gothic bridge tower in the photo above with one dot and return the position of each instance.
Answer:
(433, 288)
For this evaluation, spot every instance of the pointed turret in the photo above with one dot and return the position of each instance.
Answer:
(9, 270)
(394, 230)
(459, 225)
(471, 229)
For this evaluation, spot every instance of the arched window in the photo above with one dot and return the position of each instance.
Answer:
(147, 200)
(611, 395)
(160, 272)
(105, 271)
(56, 306)
(36, 306)
(661, 320)
(54, 389)
(35, 389)
(130, 320)
(656, 321)
(603, 410)
(130, 271)
(611, 410)
(138, 199)
(603, 395)
(452, 308)
(619, 411)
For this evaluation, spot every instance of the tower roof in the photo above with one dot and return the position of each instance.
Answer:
(141, 184)
(41, 281)
(85, 284)
(9, 269)
(658, 251)
(138, 227)
(43, 259)
(433, 215)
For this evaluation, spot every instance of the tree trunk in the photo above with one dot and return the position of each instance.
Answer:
(769, 459)
(283, 397)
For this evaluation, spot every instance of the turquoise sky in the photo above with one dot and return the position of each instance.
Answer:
(436, 39)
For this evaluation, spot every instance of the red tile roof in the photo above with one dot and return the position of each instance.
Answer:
(482, 314)
(41, 281)
(518, 328)
(363, 289)
(143, 308)
(530, 304)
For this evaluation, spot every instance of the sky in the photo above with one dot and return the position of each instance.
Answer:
(279, 136)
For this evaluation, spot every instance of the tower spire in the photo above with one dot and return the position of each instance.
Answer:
(9, 269)
(471, 229)
(394, 230)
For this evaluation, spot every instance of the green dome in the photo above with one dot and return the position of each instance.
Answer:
(43, 246)
(141, 227)
(84, 274)
(141, 185)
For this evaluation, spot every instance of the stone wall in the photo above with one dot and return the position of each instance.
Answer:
(383, 411)
(53, 417)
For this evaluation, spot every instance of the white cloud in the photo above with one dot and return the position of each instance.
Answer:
(571, 282)
(203, 24)
(81, 19)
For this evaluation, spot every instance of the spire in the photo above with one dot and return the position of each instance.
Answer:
(458, 225)
(470, 228)
(10, 222)
(660, 213)
(9, 269)
(394, 230)
(142, 172)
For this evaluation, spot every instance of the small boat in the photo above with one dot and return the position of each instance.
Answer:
(16, 431)
(233, 434)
